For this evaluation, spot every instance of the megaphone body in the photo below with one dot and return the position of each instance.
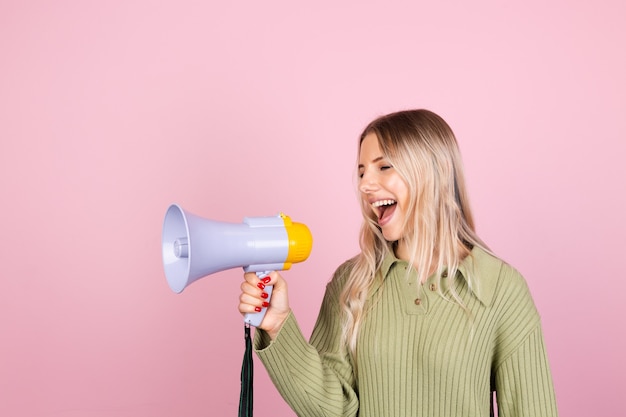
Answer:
(194, 247)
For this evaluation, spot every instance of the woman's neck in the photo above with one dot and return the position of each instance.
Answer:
(403, 252)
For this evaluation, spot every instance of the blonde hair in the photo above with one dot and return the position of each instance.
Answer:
(439, 228)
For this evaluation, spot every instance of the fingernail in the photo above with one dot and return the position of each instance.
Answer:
(266, 280)
(264, 295)
(266, 304)
(261, 285)
(257, 309)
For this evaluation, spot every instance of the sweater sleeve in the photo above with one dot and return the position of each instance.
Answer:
(522, 377)
(315, 379)
(523, 381)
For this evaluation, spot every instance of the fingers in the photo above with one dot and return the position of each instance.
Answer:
(249, 304)
(254, 295)
(270, 279)
(252, 300)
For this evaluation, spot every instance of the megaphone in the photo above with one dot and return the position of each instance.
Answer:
(194, 247)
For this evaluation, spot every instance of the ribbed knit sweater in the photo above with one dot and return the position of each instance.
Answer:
(419, 354)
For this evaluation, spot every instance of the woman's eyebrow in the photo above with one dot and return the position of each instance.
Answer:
(380, 158)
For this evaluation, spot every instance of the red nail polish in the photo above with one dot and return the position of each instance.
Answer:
(257, 309)
(261, 285)
(264, 295)
(266, 304)
(266, 280)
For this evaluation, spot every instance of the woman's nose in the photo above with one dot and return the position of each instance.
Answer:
(367, 183)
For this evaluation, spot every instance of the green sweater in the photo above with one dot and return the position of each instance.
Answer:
(419, 355)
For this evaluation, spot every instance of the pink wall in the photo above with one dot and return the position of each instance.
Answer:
(110, 111)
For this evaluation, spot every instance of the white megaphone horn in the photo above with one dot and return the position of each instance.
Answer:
(194, 247)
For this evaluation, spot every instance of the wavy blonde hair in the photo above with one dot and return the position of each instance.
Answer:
(439, 228)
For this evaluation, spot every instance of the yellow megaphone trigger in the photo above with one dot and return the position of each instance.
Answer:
(300, 241)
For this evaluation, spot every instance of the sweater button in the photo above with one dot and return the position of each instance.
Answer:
(418, 301)
(433, 287)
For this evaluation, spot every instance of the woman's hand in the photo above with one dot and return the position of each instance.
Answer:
(253, 297)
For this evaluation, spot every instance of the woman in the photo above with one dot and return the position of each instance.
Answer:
(425, 321)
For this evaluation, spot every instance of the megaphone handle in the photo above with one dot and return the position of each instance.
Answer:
(255, 319)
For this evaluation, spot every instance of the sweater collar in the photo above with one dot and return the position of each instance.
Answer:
(482, 267)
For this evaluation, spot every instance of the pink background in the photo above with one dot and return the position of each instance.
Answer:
(110, 111)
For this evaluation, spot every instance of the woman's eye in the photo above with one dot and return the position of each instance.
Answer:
(385, 167)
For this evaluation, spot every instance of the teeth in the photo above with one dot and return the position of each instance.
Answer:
(381, 203)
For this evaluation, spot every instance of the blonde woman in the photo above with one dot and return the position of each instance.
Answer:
(425, 321)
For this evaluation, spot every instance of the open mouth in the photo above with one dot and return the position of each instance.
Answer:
(385, 209)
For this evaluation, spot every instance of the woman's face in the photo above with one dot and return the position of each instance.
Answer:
(382, 188)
